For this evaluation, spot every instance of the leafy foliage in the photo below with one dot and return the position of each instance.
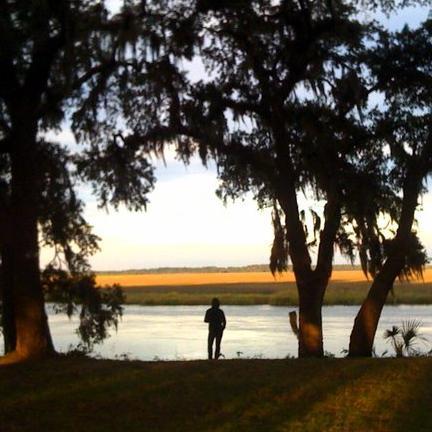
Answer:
(58, 60)
(98, 70)
(277, 90)
(279, 250)
(405, 338)
(124, 113)
(62, 224)
(400, 69)
(98, 308)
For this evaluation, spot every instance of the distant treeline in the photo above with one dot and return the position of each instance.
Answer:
(213, 269)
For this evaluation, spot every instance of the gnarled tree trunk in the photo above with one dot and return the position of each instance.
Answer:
(310, 320)
(366, 322)
(33, 338)
(311, 283)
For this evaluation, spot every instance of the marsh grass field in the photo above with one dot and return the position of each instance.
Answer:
(347, 287)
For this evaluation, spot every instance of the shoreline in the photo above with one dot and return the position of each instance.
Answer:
(276, 294)
(347, 287)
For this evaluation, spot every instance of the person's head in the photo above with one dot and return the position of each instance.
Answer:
(215, 303)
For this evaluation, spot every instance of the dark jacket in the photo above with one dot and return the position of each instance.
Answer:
(216, 319)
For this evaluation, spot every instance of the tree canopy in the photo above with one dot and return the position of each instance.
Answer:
(62, 62)
(281, 111)
(285, 108)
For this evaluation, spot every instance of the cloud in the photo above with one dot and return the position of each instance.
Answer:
(185, 224)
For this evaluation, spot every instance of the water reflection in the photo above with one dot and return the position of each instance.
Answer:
(178, 332)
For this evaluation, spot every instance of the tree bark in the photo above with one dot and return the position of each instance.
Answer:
(310, 320)
(33, 337)
(6, 277)
(8, 319)
(366, 322)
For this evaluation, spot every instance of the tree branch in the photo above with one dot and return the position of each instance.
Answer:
(332, 217)
(44, 52)
(9, 84)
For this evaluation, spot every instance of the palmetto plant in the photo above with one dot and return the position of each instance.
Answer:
(405, 338)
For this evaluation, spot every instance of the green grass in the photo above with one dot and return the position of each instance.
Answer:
(230, 395)
(280, 294)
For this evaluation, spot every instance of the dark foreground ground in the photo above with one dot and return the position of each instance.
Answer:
(239, 395)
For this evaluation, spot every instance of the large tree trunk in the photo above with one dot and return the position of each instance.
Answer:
(311, 284)
(310, 320)
(33, 338)
(8, 319)
(366, 322)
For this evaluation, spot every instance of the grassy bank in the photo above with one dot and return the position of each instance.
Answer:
(230, 395)
(276, 293)
(347, 287)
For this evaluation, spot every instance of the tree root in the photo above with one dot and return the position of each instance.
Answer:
(15, 357)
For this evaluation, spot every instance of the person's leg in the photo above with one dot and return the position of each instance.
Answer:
(218, 344)
(210, 340)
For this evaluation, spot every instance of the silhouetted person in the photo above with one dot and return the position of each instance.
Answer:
(217, 322)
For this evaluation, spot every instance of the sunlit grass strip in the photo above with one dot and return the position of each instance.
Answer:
(271, 294)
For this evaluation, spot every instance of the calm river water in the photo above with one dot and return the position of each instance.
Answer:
(179, 333)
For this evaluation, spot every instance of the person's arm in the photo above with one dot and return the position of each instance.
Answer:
(206, 317)
(223, 320)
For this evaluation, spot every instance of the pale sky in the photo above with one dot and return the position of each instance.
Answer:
(187, 225)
